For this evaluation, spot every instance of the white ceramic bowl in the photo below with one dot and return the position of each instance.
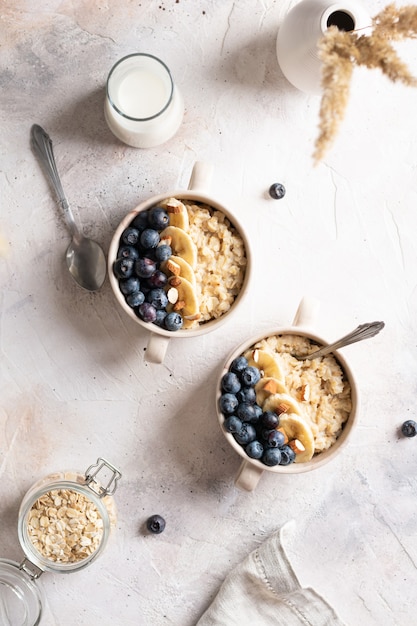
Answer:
(160, 337)
(251, 470)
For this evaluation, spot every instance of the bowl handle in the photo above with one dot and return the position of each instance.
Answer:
(156, 348)
(248, 476)
(307, 312)
(201, 176)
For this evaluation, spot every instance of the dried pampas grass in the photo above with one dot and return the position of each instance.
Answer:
(340, 51)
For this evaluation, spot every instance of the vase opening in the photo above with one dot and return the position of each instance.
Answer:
(342, 20)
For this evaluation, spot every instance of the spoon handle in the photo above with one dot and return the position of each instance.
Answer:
(42, 145)
(363, 331)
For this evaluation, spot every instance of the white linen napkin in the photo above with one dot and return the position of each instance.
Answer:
(264, 590)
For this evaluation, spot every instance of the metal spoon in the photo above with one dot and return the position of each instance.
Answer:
(364, 331)
(85, 259)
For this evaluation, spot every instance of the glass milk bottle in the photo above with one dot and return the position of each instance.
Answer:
(143, 106)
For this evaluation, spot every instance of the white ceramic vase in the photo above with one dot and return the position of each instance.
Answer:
(301, 30)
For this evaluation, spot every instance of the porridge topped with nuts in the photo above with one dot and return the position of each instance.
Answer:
(65, 526)
(282, 410)
(180, 264)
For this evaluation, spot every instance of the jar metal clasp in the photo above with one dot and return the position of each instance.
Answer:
(100, 488)
(30, 569)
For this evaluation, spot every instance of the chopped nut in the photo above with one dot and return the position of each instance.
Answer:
(173, 267)
(305, 392)
(172, 295)
(174, 206)
(271, 386)
(174, 281)
(255, 355)
(179, 305)
(282, 408)
(296, 445)
(167, 240)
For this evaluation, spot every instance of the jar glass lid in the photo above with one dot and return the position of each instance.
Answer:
(20, 596)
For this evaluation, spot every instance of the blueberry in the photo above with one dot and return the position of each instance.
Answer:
(246, 412)
(272, 456)
(275, 439)
(287, 455)
(129, 285)
(158, 298)
(135, 299)
(233, 424)
(155, 524)
(149, 238)
(247, 394)
(158, 218)
(160, 318)
(141, 221)
(258, 411)
(239, 364)
(145, 267)
(269, 419)
(230, 383)
(158, 279)
(409, 428)
(250, 376)
(277, 191)
(173, 321)
(123, 268)
(128, 252)
(245, 435)
(163, 252)
(130, 236)
(228, 403)
(147, 312)
(254, 449)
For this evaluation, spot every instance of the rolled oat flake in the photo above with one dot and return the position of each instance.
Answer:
(64, 522)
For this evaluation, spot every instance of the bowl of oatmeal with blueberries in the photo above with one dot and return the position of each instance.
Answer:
(282, 414)
(179, 265)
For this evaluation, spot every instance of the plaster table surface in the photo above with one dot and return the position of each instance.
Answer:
(74, 384)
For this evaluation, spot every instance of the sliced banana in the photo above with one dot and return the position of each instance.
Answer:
(178, 214)
(181, 243)
(178, 266)
(267, 387)
(265, 362)
(186, 303)
(295, 427)
(282, 403)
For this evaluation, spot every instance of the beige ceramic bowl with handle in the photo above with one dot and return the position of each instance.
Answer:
(251, 470)
(198, 191)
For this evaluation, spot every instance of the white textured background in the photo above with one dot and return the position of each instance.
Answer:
(73, 383)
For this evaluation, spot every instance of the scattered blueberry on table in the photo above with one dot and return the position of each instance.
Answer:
(277, 191)
(409, 428)
(155, 524)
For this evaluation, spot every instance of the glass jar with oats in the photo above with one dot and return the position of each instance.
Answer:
(64, 523)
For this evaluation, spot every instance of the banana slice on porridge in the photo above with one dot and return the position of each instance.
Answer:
(181, 243)
(177, 266)
(178, 214)
(182, 298)
(282, 403)
(267, 387)
(265, 362)
(298, 430)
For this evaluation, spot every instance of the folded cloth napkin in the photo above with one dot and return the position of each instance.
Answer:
(264, 591)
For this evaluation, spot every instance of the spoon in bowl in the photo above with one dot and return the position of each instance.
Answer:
(85, 259)
(364, 331)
